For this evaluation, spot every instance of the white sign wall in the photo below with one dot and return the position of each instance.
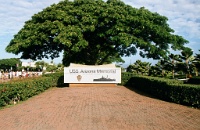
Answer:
(92, 74)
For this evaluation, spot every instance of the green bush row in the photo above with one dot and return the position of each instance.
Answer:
(58, 78)
(194, 80)
(168, 89)
(26, 88)
(125, 77)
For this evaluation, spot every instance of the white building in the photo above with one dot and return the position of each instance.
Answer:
(28, 64)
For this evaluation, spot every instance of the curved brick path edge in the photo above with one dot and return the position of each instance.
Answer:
(97, 108)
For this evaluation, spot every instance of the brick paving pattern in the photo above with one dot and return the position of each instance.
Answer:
(97, 108)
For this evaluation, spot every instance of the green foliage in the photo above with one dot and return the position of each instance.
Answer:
(125, 77)
(170, 63)
(41, 64)
(23, 89)
(168, 89)
(26, 88)
(94, 32)
(196, 64)
(194, 80)
(186, 56)
(156, 70)
(6, 64)
(185, 63)
(58, 78)
(51, 68)
(139, 67)
(186, 53)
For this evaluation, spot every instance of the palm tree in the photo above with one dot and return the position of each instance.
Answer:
(170, 63)
(196, 64)
(157, 69)
(41, 64)
(130, 68)
(186, 55)
(139, 67)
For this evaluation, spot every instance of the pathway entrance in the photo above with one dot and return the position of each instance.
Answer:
(97, 108)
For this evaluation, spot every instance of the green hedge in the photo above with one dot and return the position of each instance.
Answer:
(26, 88)
(58, 78)
(125, 77)
(194, 80)
(168, 89)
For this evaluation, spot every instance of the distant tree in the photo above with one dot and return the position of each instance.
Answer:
(8, 64)
(60, 65)
(139, 67)
(196, 63)
(187, 57)
(157, 69)
(41, 64)
(94, 32)
(130, 68)
(170, 64)
(51, 68)
(198, 56)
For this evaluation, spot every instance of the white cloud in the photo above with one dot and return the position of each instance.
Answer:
(14, 13)
(183, 15)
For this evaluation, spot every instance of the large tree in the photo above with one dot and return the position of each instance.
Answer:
(94, 32)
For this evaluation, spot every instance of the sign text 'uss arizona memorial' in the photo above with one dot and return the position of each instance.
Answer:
(76, 73)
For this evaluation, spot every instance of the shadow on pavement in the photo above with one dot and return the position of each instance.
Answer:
(141, 92)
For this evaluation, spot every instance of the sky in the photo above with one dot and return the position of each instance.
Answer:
(183, 16)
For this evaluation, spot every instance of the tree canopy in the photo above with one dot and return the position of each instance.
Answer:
(94, 32)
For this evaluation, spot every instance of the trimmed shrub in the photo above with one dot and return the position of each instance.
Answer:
(125, 77)
(26, 88)
(193, 80)
(58, 78)
(168, 89)
(23, 90)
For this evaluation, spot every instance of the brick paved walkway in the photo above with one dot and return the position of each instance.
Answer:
(97, 108)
